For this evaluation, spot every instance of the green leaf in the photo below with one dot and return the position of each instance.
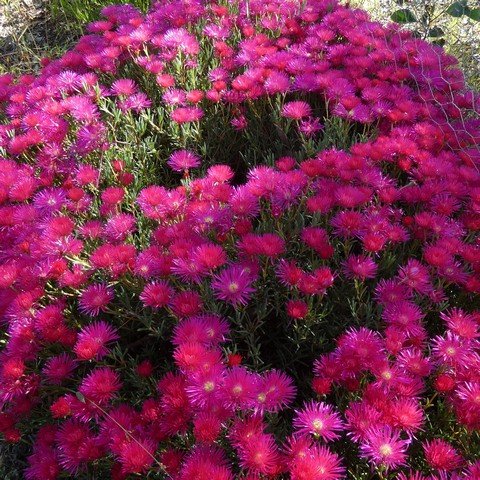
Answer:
(436, 32)
(457, 9)
(403, 15)
(473, 13)
(80, 397)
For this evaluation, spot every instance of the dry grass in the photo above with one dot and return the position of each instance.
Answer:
(27, 33)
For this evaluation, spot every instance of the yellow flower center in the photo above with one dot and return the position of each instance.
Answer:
(387, 375)
(317, 424)
(208, 386)
(385, 449)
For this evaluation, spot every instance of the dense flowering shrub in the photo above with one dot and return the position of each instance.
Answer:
(240, 240)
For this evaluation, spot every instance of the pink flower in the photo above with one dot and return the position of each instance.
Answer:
(238, 388)
(193, 357)
(441, 456)
(136, 455)
(296, 110)
(318, 419)
(383, 446)
(360, 266)
(95, 299)
(76, 446)
(259, 454)
(361, 418)
(186, 304)
(416, 276)
(183, 160)
(186, 114)
(233, 285)
(277, 82)
(209, 256)
(407, 414)
(314, 463)
(124, 86)
(205, 462)
(136, 102)
(297, 309)
(59, 368)
(92, 340)
(310, 126)
(100, 385)
(204, 387)
(461, 323)
(275, 390)
(119, 227)
(156, 294)
(450, 348)
(288, 273)
(206, 427)
(174, 96)
(468, 399)
(268, 244)
(317, 238)
(208, 329)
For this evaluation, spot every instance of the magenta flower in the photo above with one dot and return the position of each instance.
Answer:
(207, 329)
(124, 86)
(100, 385)
(186, 114)
(204, 386)
(71, 434)
(310, 126)
(136, 102)
(259, 454)
(49, 201)
(275, 390)
(316, 463)
(95, 298)
(58, 368)
(361, 418)
(136, 456)
(174, 96)
(92, 340)
(183, 160)
(157, 294)
(383, 446)
(233, 285)
(238, 388)
(441, 456)
(360, 266)
(318, 419)
(296, 110)
(119, 227)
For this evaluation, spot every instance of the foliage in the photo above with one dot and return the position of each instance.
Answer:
(459, 35)
(240, 240)
(429, 17)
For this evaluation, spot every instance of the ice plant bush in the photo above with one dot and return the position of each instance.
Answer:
(240, 240)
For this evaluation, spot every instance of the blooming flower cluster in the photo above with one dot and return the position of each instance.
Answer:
(240, 240)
